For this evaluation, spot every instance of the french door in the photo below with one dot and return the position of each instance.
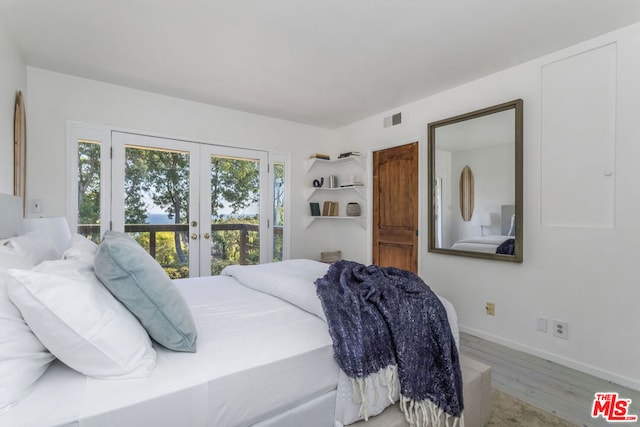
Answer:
(194, 207)
(234, 208)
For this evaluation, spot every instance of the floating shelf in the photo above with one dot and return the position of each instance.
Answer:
(359, 160)
(361, 190)
(308, 220)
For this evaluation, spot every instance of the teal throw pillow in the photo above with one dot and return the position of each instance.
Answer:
(140, 283)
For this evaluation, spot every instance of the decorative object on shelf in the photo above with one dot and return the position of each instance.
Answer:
(317, 183)
(320, 156)
(315, 208)
(348, 154)
(333, 181)
(353, 209)
(330, 257)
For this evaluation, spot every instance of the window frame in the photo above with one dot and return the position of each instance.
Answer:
(77, 130)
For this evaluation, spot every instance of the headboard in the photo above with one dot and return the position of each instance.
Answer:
(10, 216)
(507, 211)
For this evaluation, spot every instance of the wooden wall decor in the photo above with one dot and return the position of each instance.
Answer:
(19, 149)
(466, 193)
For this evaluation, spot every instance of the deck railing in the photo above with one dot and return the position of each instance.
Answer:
(243, 241)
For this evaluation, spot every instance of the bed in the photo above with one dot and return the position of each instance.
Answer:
(487, 244)
(260, 360)
(503, 243)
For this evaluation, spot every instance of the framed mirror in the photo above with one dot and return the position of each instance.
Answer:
(475, 183)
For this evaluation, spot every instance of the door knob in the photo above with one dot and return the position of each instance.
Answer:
(194, 236)
(206, 235)
(194, 223)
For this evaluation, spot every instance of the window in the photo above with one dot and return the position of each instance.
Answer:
(194, 207)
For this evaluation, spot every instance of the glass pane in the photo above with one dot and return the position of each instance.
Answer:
(235, 208)
(278, 211)
(89, 189)
(157, 205)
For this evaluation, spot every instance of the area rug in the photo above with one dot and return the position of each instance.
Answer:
(509, 411)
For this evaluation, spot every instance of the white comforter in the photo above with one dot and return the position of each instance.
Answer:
(488, 244)
(293, 281)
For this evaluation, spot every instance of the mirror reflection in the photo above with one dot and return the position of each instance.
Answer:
(475, 183)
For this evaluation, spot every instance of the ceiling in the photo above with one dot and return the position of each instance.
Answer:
(326, 63)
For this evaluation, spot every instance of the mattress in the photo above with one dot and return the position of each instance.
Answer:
(257, 356)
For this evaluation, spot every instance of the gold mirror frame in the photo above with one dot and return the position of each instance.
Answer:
(19, 149)
(517, 106)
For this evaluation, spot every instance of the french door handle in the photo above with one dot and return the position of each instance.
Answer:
(194, 236)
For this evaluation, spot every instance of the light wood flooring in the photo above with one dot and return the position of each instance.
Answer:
(554, 388)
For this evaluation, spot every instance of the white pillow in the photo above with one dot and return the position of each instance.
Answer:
(80, 322)
(81, 248)
(9, 258)
(23, 358)
(35, 245)
(56, 229)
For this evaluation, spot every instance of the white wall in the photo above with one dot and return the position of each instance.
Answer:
(585, 276)
(14, 78)
(56, 98)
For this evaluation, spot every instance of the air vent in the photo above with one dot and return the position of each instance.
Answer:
(393, 120)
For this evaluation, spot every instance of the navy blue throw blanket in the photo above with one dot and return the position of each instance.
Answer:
(507, 247)
(382, 316)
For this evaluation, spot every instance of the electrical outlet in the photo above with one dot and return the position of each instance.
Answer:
(490, 309)
(560, 329)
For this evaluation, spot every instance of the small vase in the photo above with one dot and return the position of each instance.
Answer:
(353, 209)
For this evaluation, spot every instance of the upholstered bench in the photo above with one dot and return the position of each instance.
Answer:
(476, 378)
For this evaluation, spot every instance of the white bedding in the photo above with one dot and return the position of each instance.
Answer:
(257, 356)
(487, 244)
(293, 281)
(260, 360)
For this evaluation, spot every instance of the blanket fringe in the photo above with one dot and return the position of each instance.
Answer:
(427, 414)
(418, 414)
(386, 377)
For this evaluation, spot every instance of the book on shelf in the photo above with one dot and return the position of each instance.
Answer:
(330, 208)
(348, 154)
(315, 208)
(353, 184)
(320, 156)
(326, 209)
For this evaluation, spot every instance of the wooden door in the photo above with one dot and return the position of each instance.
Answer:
(395, 207)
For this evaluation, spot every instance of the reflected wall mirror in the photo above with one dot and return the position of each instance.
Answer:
(489, 143)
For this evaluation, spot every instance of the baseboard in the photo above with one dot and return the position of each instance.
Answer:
(592, 370)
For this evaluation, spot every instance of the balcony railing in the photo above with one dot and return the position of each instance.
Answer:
(93, 230)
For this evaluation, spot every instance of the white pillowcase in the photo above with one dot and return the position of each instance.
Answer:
(35, 246)
(9, 258)
(80, 322)
(23, 358)
(81, 248)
